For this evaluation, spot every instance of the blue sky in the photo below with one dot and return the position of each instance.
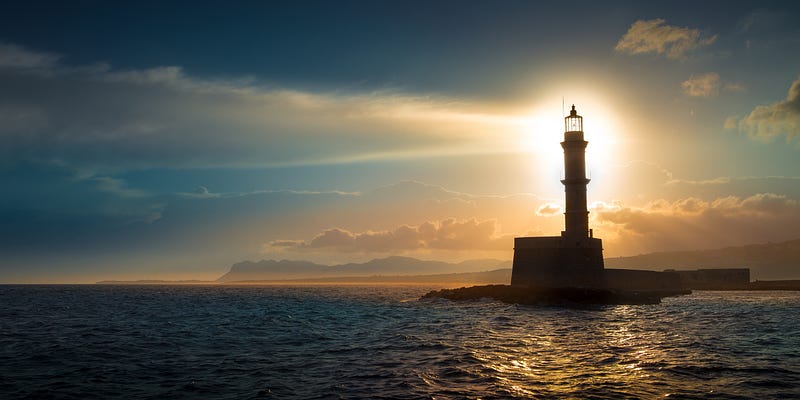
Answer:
(171, 139)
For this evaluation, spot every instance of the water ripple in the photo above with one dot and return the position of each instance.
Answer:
(348, 342)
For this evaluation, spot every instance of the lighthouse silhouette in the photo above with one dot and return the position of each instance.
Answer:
(576, 217)
(574, 259)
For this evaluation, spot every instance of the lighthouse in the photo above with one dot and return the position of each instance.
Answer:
(575, 258)
(576, 216)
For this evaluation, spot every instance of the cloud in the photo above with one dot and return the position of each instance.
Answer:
(450, 234)
(702, 85)
(690, 222)
(639, 182)
(15, 56)
(730, 123)
(765, 123)
(694, 223)
(203, 192)
(708, 84)
(734, 87)
(654, 36)
(549, 209)
(161, 117)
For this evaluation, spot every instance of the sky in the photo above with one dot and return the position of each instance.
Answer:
(169, 140)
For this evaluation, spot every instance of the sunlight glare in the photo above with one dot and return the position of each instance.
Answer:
(545, 131)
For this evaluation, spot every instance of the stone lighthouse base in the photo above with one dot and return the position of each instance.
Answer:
(558, 261)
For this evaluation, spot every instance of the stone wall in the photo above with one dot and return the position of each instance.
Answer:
(553, 261)
(634, 279)
(723, 278)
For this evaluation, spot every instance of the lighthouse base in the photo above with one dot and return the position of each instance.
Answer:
(558, 261)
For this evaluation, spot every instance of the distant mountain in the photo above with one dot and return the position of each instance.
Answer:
(155, 282)
(398, 266)
(498, 276)
(766, 261)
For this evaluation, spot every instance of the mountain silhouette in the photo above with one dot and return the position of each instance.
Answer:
(396, 265)
(766, 261)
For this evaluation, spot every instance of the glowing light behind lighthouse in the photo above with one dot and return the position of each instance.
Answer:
(545, 129)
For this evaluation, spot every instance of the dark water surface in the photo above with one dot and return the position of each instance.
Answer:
(380, 342)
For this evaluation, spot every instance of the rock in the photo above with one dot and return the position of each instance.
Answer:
(551, 296)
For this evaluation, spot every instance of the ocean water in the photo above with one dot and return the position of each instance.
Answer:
(343, 342)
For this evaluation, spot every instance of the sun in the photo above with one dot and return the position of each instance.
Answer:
(544, 131)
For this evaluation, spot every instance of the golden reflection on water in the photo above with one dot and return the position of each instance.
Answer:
(562, 357)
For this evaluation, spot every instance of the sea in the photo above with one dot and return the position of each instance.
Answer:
(382, 342)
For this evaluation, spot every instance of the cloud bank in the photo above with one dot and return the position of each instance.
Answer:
(684, 223)
(695, 223)
(655, 36)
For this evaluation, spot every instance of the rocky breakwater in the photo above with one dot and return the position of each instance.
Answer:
(555, 296)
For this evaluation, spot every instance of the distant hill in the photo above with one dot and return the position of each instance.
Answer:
(268, 270)
(155, 282)
(766, 261)
(498, 276)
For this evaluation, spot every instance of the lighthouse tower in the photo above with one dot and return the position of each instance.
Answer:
(576, 217)
(574, 259)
